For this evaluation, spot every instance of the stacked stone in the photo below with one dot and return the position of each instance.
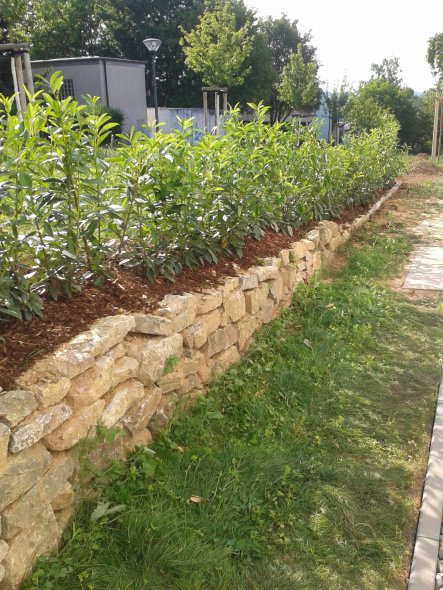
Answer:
(114, 375)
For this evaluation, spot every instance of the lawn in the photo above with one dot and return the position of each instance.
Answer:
(299, 470)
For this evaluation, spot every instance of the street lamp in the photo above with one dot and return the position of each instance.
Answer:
(153, 45)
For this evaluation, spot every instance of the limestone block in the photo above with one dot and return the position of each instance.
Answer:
(265, 315)
(196, 335)
(221, 339)
(22, 472)
(61, 469)
(276, 289)
(105, 334)
(308, 244)
(205, 373)
(190, 383)
(284, 257)
(314, 236)
(15, 406)
(155, 325)
(171, 381)
(181, 309)
(4, 548)
(316, 262)
(64, 362)
(234, 307)
(139, 414)
(76, 428)
(346, 234)
(209, 300)
(188, 399)
(64, 499)
(255, 298)
(120, 399)
(37, 426)
(229, 286)
(335, 242)
(2, 572)
(164, 412)
(24, 513)
(246, 282)
(331, 225)
(246, 327)
(289, 276)
(302, 265)
(50, 393)
(265, 273)
(297, 251)
(152, 353)
(225, 359)
(64, 516)
(271, 261)
(92, 384)
(5, 433)
(123, 369)
(191, 362)
(28, 545)
(142, 438)
(325, 235)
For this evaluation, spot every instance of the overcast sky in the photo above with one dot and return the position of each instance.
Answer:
(350, 35)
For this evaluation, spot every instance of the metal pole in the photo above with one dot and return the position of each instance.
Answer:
(205, 110)
(20, 83)
(28, 72)
(14, 80)
(217, 112)
(154, 91)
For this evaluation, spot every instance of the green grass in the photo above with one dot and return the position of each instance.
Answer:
(304, 456)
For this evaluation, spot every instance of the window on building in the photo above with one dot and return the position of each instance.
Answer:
(67, 89)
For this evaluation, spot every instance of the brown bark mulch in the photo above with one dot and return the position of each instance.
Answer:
(21, 342)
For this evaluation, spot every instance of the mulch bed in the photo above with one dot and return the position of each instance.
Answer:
(21, 343)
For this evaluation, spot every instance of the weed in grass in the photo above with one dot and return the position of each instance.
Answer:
(303, 456)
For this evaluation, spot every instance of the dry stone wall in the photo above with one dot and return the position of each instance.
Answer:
(114, 375)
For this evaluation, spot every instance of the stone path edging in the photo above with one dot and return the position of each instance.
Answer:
(425, 556)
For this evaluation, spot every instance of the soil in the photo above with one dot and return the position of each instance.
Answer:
(22, 343)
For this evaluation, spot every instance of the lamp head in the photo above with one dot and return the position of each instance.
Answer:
(152, 45)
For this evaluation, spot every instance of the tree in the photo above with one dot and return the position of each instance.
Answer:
(388, 71)
(434, 58)
(283, 38)
(216, 49)
(299, 87)
(425, 105)
(364, 113)
(337, 100)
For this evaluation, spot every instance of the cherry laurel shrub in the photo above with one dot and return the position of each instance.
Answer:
(70, 208)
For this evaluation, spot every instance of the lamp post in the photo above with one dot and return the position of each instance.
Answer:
(153, 45)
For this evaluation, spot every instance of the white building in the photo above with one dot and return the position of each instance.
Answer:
(120, 83)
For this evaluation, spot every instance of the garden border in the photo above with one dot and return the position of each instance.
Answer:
(422, 574)
(114, 374)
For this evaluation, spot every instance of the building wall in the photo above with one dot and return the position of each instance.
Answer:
(169, 119)
(85, 76)
(127, 91)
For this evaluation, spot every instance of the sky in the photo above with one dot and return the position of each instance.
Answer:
(350, 35)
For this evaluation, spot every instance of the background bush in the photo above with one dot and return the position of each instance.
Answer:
(158, 203)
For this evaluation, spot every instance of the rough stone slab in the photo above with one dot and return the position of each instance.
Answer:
(276, 289)
(120, 399)
(190, 383)
(164, 412)
(22, 472)
(155, 325)
(4, 548)
(266, 313)
(209, 301)
(265, 273)
(180, 309)
(271, 261)
(195, 336)
(229, 285)
(225, 359)
(37, 426)
(297, 252)
(50, 393)
(221, 339)
(123, 369)
(308, 244)
(246, 282)
(152, 353)
(76, 428)
(138, 416)
(5, 433)
(191, 362)
(27, 546)
(171, 381)
(426, 270)
(2, 572)
(64, 499)
(314, 236)
(15, 406)
(284, 257)
(92, 384)
(234, 307)
(246, 327)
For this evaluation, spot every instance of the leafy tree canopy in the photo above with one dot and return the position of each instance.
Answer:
(299, 87)
(337, 99)
(434, 58)
(388, 71)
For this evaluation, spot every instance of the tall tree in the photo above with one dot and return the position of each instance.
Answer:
(299, 87)
(283, 38)
(434, 58)
(216, 49)
(389, 71)
(337, 100)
